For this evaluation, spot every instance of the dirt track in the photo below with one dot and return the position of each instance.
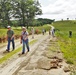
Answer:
(12, 64)
(19, 65)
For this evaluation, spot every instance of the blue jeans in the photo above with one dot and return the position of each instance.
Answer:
(27, 45)
(13, 44)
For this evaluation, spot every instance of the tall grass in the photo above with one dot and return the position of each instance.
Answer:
(67, 45)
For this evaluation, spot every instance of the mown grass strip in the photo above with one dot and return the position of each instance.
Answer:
(8, 55)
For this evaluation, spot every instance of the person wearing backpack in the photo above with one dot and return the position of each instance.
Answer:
(24, 40)
(10, 38)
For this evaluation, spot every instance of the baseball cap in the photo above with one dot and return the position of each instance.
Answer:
(8, 26)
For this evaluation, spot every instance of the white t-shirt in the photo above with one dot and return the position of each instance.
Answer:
(24, 34)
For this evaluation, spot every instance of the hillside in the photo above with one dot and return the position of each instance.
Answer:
(65, 25)
(67, 44)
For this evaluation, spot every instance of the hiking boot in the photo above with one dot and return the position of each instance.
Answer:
(23, 53)
(7, 50)
(28, 50)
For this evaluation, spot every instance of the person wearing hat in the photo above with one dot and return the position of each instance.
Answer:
(52, 31)
(10, 38)
(24, 39)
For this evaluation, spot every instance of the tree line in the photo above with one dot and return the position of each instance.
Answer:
(22, 11)
(35, 22)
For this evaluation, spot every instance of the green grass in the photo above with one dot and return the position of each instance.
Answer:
(33, 41)
(3, 32)
(52, 48)
(67, 45)
(43, 27)
(8, 55)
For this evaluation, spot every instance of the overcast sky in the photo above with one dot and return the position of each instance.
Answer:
(58, 9)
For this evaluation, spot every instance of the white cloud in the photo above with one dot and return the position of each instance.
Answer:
(58, 9)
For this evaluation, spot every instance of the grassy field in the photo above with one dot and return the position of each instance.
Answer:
(17, 30)
(67, 45)
(3, 32)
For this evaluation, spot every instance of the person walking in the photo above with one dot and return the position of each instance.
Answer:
(32, 30)
(10, 38)
(43, 31)
(52, 31)
(70, 34)
(24, 40)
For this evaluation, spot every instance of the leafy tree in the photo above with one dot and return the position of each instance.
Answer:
(26, 10)
(5, 12)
